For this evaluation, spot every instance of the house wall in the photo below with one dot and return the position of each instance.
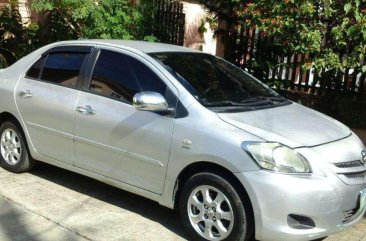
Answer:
(25, 10)
(195, 14)
(3, 2)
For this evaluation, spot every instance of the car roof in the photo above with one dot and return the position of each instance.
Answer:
(146, 47)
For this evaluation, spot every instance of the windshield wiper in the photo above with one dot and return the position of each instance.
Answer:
(277, 99)
(248, 103)
(252, 102)
(264, 100)
(223, 103)
(257, 101)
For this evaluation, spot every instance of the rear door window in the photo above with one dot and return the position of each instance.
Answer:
(63, 68)
(35, 70)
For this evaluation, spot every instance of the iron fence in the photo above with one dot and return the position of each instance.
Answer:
(169, 21)
(251, 47)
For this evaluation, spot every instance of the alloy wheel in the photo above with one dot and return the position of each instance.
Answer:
(11, 148)
(210, 213)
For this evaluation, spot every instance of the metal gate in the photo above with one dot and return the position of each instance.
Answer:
(169, 21)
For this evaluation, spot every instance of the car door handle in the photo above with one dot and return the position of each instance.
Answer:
(25, 94)
(87, 110)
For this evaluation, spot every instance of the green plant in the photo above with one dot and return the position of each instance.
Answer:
(16, 39)
(333, 33)
(108, 19)
(115, 19)
(202, 28)
(67, 16)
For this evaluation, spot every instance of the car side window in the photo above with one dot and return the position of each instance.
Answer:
(63, 68)
(35, 70)
(120, 77)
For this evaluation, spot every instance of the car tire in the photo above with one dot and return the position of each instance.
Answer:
(222, 209)
(14, 153)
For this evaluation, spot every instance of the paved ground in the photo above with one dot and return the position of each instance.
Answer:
(52, 204)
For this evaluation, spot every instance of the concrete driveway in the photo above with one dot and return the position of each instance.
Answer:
(53, 204)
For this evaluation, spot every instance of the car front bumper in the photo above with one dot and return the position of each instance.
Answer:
(323, 199)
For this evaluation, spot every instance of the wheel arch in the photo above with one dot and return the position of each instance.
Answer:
(6, 116)
(26, 162)
(201, 167)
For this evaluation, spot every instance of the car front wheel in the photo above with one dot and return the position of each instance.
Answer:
(211, 209)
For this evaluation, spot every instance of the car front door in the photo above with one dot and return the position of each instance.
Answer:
(46, 98)
(114, 139)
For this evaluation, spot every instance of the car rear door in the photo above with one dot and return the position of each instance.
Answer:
(46, 97)
(114, 139)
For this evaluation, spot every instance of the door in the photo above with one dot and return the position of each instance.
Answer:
(112, 138)
(46, 99)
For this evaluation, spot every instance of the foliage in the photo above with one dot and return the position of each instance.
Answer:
(16, 39)
(112, 19)
(67, 16)
(332, 32)
(115, 19)
(71, 19)
(56, 28)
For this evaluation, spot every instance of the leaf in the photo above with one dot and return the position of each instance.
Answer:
(348, 8)
(351, 31)
(364, 69)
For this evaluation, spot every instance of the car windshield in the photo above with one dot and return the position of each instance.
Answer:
(216, 83)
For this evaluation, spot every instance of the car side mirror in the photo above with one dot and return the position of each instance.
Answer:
(150, 101)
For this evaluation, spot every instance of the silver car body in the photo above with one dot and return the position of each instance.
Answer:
(144, 153)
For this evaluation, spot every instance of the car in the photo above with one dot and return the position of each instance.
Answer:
(188, 130)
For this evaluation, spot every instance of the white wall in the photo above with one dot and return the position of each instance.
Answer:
(25, 11)
(195, 13)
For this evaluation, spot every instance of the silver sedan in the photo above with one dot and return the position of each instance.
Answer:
(188, 130)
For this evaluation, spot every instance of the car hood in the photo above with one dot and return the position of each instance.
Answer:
(292, 125)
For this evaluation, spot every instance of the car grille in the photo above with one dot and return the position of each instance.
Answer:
(350, 164)
(361, 175)
(351, 172)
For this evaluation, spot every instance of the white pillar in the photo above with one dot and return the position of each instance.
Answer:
(24, 10)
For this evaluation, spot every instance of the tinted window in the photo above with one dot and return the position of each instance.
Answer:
(120, 77)
(217, 83)
(35, 70)
(63, 68)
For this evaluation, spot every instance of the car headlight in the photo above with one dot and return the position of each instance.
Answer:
(277, 157)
